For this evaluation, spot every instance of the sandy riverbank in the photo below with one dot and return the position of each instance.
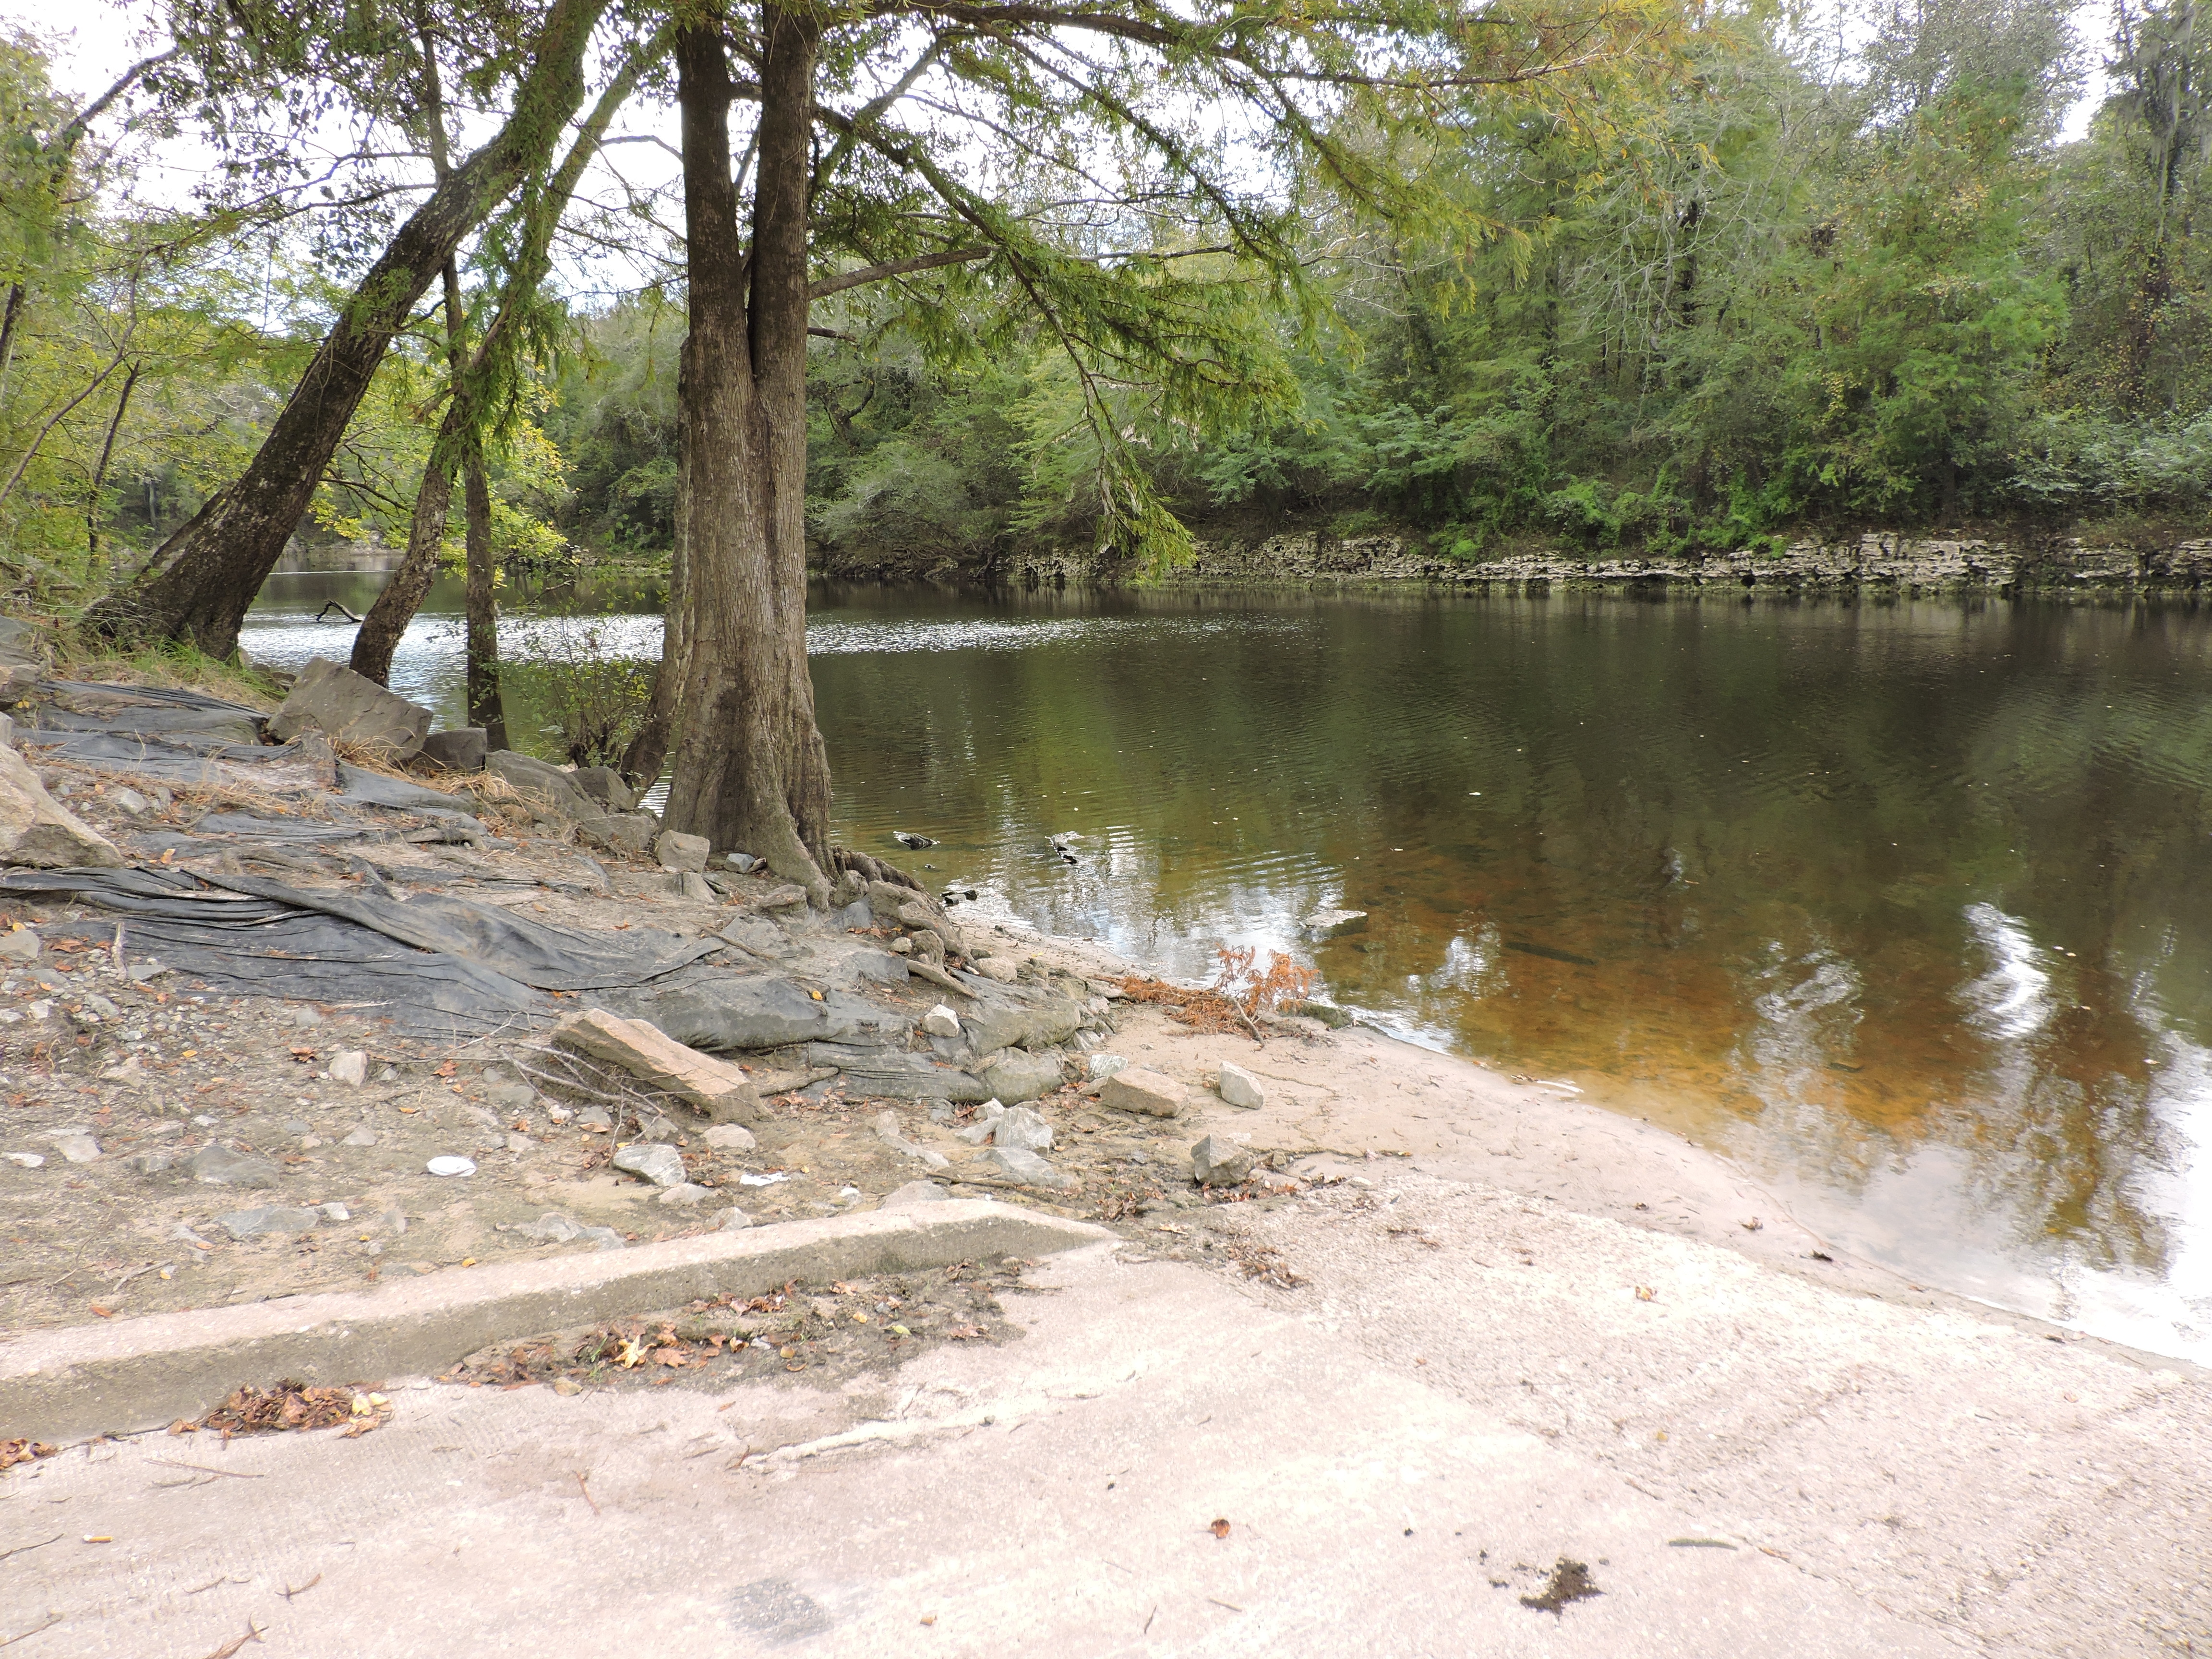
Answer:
(1450, 1304)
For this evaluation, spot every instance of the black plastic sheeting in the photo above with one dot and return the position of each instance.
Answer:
(435, 964)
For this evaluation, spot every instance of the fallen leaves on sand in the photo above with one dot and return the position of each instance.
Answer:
(13, 1452)
(1220, 1527)
(1263, 1262)
(292, 1407)
(1646, 1293)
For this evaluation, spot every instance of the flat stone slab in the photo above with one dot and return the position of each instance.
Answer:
(1138, 1089)
(712, 1086)
(128, 1374)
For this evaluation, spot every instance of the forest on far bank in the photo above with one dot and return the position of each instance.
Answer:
(1835, 271)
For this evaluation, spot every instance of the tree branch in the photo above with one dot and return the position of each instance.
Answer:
(867, 274)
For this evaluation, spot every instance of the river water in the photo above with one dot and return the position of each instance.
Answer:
(1905, 906)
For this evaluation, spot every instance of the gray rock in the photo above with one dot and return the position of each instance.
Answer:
(219, 1166)
(1334, 924)
(269, 1218)
(336, 1213)
(603, 1238)
(1000, 1024)
(1219, 1162)
(927, 944)
(730, 1138)
(896, 1075)
(551, 1228)
(1022, 1127)
(349, 707)
(696, 888)
(1026, 1169)
(758, 936)
(350, 1066)
(1015, 1076)
(547, 787)
(604, 785)
(1102, 1065)
(941, 1021)
(78, 1148)
(19, 944)
(458, 750)
(940, 1111)
(618, 832)
(1238, 1087)
(1003, 969)
(663, 1166)
(149, 1163)
(7, 732)
(764, 1013)
(37, 830)
(743, 863)
(677, 851)
(130, 801)
(782, 898)
(735, 1221)
(364, 1136)
(914, 1192)
(685, 1195)
(510, 1097)
(595, 1117)
(393, 1221)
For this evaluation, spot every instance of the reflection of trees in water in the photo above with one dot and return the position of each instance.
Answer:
(1669, 791)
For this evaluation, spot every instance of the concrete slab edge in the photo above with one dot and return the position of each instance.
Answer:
(135, 1374)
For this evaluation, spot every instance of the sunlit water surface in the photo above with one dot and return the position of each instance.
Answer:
(1906, 908)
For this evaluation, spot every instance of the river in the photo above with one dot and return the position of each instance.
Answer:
(1905, 907)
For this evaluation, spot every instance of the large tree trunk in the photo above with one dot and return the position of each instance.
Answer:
(751, 773)
(482, 668)
(199, 584)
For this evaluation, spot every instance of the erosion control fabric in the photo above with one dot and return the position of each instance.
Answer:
(433, 965)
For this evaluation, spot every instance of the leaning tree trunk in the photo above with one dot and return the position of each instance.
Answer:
(472, 379)
(751, 773)
(198, 587)
(379, 635)
(482, 671)
(378, 638)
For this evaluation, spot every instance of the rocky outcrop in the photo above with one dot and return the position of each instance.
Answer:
(1879, 562)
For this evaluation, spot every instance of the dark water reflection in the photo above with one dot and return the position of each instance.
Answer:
(1906, 907)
